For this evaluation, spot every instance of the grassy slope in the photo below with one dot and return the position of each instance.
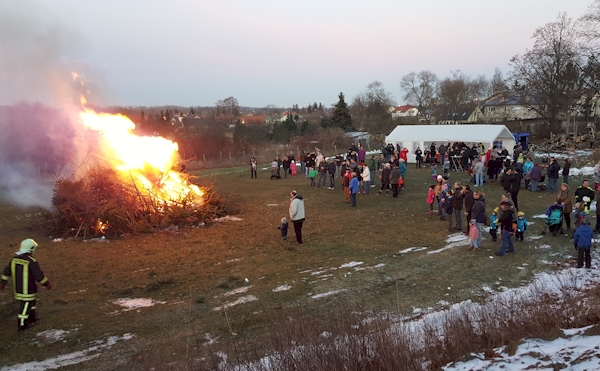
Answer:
(192, 269)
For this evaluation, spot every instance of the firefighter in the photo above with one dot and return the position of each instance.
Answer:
(25, 271)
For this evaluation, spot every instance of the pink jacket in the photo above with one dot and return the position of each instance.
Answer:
(473, 232)
(430, 196)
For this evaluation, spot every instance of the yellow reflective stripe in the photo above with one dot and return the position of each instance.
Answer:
(25, 297)
(24, 275)
(44, 280)
(23, 314)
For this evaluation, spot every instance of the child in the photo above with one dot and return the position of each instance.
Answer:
(449, 208)
(293, 167)
(284, 228)
(494, 224)
(400, 184)
(446, 165)
(312, 174)
(582, 239)
(431, 198)
(521, 226)
(473, 235)
(579, 215)
(434, 173)
(253, 166)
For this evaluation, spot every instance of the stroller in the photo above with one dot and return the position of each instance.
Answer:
(554, 220)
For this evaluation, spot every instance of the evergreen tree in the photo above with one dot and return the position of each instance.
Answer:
(315, 107)
(192, 112)
(304, 127)
(341, 116)
(142, 117)
(162, 115)
(320, 106)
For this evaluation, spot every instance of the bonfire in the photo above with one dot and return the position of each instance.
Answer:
(133, 186)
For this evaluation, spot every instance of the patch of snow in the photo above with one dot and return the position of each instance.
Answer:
(351, 264)
(584, 171)
(544, 247)
(57, 240)
(272, 204)
(328, 293)
(53, 335)
(412, 249)
(242, 300)
(239, 290)
(69, 358)
(540, 216)
(282, 288)
(131, 304)
(531, 238)
(453, 240)
(227, 218)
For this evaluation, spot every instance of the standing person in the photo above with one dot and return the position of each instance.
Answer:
(323, 168)
(565, 172)
(253, 168)
(535, 175)
(478, 170)
(286, 166)
(302, 159)
(346, 183)
(478, 214)
(404, 154)
(442, 150)
(293, 167)
(312, 175)
(297, 214)
(394, 177)
(582, 192)
(582, 239)
(362, 154)
(506, 221)
(515, 186)
(468, 201)
(331, 169)
(372, 167)
(434, 172)
(505, 180)
(439, 184)
(366, 178)
(353, 189)
(25, 271)
(339, 159)
(385, 178)
(565, 198)
(449, 208)
(552, 174)
(527, 167)
(402, 169)
(283, 228)
(522, 226)
(458, 205)
(418, 157)
(431, 198)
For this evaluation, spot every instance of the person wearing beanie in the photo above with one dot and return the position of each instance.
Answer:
(24, 271)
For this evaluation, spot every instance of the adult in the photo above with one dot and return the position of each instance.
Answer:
(366, 178)
(527, 167)
(394, 177)
(458, 205)
(418, 157)
(506, 179)
(535, 175)
(297, 214)
(332, 170)
(437, 190)
(478, 214)
(286, 166)
(372, 168)
(403, 154)
(319, 157)
(515, 187)
(584, 195)
(322, 169)
(385, 178)
(478, 170)
(353, 189)
(442, 150)
(433, 152)
(468, 201)
(302, 159)
(310, 163)
(362, 154)
(565, 198)
(506, 220)
(339, 159)
(552, 174)
(25, 271)
(582, 239)
(565, 172)
(346, 183)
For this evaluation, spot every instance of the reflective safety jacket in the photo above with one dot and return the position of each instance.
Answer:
(24, 271)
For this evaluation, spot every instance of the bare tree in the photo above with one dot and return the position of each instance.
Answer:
(497, 83)
(455, 91)
(229, 106)
(370, 109)
(544, 77)
(419, 89)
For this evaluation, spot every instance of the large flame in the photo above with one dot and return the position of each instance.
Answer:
(148, 160)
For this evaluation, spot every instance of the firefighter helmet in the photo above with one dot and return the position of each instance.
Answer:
(28, 246)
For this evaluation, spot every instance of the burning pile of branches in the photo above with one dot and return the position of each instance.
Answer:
(105, 202)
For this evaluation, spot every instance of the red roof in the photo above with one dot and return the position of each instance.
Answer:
(250, 120)
(403, 109)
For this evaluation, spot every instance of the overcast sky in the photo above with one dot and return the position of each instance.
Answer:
(281, 52)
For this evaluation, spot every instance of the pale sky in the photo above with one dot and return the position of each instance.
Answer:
(281, 52)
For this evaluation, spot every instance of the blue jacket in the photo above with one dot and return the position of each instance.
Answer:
(402, 169)
(493, 218)
(522, 224)
(353, 187)
(583, 237)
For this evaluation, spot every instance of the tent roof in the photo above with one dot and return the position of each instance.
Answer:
(449, 133)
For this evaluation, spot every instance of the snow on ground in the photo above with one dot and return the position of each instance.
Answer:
(52, 336)
(351, 264)
(239, 290)
(131, 304)
(540, 216)
(412, 249)
(584, 171)
(569, 154)
(227, 218)
(282, 288)
(453, 240)
(573, 350)
(328, 293)
(242, 300)
(531, 238)
(69, 358)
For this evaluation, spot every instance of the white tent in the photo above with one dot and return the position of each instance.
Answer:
(413, 136)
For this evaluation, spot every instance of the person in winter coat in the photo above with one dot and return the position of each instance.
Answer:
(366, 178)
(285, 163)
(468, 201)
(522, 226)
(535, 175)
(473, 234)
(322, 169)
(565, 172)
(478, 170)
(353, 189)
(331, 170)
(385, 178)
(449, 208)
(373, 168)
(458, 206)
(506, 221)
(478, 213)
(515, 187)
(253, 168)
(403, 154)
(552, 174)
(582, 192)
(394, 176)
(346, 184)
(431, 198)
(494, 224)
(439, 184)
(297, 214)
(565, 198)
(25, 271)
(402, 168)
(582, 239)
(283, 228)
(418, 158)
(506, 180)
(293, 167)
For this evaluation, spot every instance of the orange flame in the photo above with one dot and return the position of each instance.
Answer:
(147, 159)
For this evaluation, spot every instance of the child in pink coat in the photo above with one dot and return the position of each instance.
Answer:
(473, 234)
(293, 167)
(431, 198)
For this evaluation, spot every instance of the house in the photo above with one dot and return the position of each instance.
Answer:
(404, 111)
(504, 107)
(253, 120)
(465, 114)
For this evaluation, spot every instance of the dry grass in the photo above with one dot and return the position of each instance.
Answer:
(192, 269)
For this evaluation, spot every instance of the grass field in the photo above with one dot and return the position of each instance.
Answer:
(226, 284)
